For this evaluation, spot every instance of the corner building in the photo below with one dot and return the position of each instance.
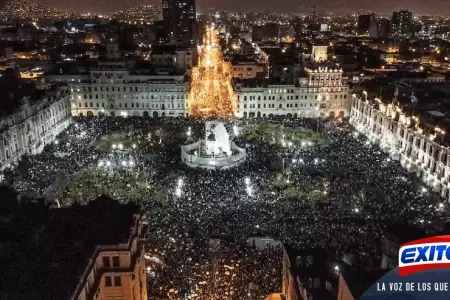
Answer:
(322, 92)
(34, 124)
(88, 252)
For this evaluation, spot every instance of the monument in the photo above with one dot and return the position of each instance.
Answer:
(215, 151)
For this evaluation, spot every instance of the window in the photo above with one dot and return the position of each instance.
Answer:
(116, 261)
(106, 262)
(117, 281)
(108, 281)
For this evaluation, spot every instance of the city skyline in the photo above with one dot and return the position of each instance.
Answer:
(433, 7)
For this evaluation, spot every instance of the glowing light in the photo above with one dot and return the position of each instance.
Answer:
(120, 146)
(134, 146)
(100, 163)
(108, 163)
(131, 163)
(114, 146)
(212, 92)
(249, 190)
(424, 190)
(56, 142)
(124, 163)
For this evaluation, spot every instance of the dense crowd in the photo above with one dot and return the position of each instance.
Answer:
(365, 191)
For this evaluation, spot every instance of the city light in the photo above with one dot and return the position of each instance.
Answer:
(212, 91)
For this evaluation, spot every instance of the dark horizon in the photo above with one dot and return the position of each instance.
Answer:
(419, 7)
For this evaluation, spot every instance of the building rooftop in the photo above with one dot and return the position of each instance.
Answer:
(44, 254)
(314, 268)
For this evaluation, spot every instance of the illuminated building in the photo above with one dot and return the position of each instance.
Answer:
(320, 53)
(323, 92)
(405, 141)
(211, 88)
(115, 88)
(34, 124)
(402, 24)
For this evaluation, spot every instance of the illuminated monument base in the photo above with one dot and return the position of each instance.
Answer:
(215, 152)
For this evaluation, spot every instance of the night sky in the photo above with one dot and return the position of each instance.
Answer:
(435, 7)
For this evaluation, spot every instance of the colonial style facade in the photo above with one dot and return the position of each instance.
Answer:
(322, 92)
(115, 90)
(32, 126)
(401, 137)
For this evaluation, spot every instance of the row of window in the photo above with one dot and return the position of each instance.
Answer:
(289, 105)
(152, 97)
(133, 105)
(297, 97)
(127, 89)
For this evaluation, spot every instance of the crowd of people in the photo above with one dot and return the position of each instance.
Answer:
(366, 190)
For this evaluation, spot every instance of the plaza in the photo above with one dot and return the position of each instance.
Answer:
(338, 193)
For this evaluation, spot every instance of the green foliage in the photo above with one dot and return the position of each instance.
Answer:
(105, 144)
(91, 183)
(289, 187)
(276, 134)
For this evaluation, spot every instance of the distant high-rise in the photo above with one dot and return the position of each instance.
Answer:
(402, 24)
(383, 26)
(367, 26)
(179, 20)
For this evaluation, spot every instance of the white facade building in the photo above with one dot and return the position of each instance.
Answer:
(120, 91)
(323, 92)
(417, 152)
(33, 126)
